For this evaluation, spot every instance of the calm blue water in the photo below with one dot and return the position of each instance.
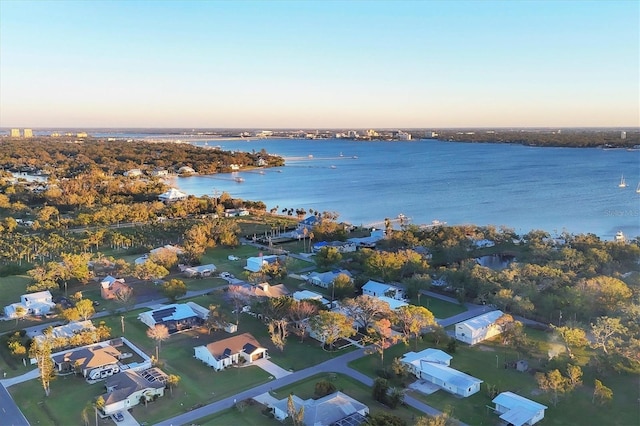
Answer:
(525, 188)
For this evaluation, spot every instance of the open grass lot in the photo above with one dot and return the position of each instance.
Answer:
(480, 361)
(439, 308)
(305, 389)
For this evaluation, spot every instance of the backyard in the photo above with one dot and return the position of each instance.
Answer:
(486, 361)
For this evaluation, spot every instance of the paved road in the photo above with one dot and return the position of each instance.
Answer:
(10, 414)
(335, 365)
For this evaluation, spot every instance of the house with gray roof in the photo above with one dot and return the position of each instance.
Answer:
(518, 410)
(479, 328)
(129, 388)
(328, 410)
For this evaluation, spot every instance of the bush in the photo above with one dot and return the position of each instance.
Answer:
(323, 388)
(380, 387)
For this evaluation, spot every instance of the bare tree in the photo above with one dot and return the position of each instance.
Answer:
(239, 297)
(366, 309)
(299, 313)
(278, 332)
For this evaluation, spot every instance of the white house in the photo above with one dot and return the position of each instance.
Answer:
(479, 328)
(310, 295)
(39, 303)
(255, 264)
(128, 388)
(448, 379)
(176, 317)
(226, 352)
(376, 289)
(200, 271)
(172, 195)
(336, 408)
(324, 279)
(186, 170)
(133, 173)
(517, 410)
(341, 246)
(393, 303)
(370, 241)
(413, 360)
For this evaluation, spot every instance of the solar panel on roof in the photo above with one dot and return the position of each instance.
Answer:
(161, 314)
(226, 353)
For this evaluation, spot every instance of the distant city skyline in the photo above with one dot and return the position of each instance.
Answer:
(351, 64)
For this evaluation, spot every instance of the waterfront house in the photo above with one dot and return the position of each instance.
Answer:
(517, 410)
(226, 352)
(341, 246)
(176, 317)
(335, 409)
(172, 195)
(129, 388)
(479, 328)
(133, 173)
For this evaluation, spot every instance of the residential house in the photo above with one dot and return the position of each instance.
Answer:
(129, 388)
(133, 173)
(325, 279)
(110, 287)
(199, 271)
(236, 212)
(479, 328)
(268, 290)
(160, 173)
(176, 317)
(393, 303)
(336, 408)
(341, 246)
(172, 195)
(310, 295)
(94, 362)
(370, 241)
(307, 224)
(68, 330)
(518, 410)
(446, 378)
(226, 352)
(40, 303)
(255, 264)
(413, 360)
(186, 170)
(376, 289)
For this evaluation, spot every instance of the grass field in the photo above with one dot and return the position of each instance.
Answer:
(486, 362)
(439, 308)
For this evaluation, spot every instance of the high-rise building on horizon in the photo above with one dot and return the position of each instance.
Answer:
(28, 133)
(15, 133)
(623, 135)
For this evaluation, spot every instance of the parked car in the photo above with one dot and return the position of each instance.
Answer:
(226, 275)
(118, 417)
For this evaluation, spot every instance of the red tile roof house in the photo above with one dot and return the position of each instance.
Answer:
(226, 352)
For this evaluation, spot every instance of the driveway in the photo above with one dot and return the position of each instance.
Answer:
(271, 368)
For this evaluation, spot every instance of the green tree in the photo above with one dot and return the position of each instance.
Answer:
(172, 381)
(328, 256)
(296, 416)
(365, 310)
(608, 334)
(174, 289)
(149, 270)
(382, 418)
(554, 382)
(85, 309)
(413, 320)
(323, 388)
(330, 326)
(342, 286)
(572, 337)
(41, 351)
(380, 337)
(601, 393)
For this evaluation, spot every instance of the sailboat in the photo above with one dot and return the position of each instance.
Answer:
(623, 183)
(638, 188)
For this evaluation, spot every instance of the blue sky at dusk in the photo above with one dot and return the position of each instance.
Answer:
(301, 64)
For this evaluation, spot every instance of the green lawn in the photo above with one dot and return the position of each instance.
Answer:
(251, 415)
(305, 389)
(480, 361)
(439, 308)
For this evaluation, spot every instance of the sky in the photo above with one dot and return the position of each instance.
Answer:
(319, 64)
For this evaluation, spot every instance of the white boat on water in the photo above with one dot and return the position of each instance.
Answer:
(638, 188)
(623, 183)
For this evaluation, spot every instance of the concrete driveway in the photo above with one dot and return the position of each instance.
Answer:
(271, 368)
(129, 420)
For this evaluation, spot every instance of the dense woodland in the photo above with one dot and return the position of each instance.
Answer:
(576, 138)
(68, 159)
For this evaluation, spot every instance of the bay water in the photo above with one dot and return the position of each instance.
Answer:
(521, 187)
